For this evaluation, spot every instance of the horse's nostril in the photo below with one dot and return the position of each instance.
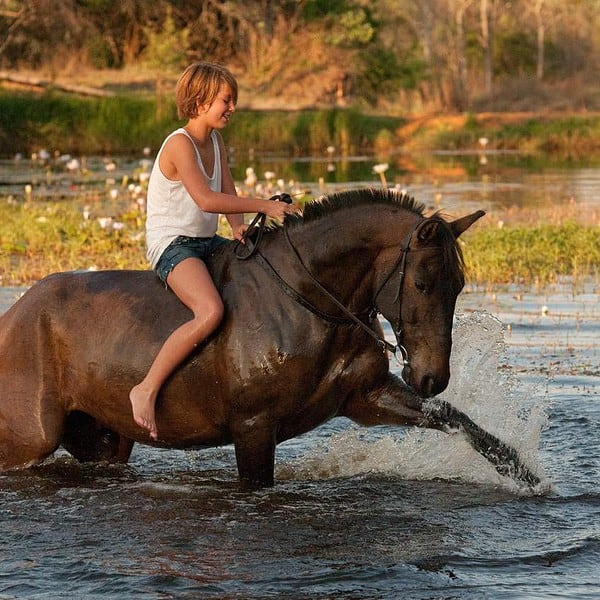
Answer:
(427, 385)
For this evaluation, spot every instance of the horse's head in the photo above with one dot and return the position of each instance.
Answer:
(417, 284)
(394, 258)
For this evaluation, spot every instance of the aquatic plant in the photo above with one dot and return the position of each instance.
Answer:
(535, 246)
(38, 237)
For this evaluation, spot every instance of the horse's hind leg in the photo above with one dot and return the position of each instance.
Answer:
(26, 440)
(20, 453)
(88, 441)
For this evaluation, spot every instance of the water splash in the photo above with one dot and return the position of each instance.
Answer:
(481, 386)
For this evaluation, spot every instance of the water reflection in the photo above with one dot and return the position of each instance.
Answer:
(452, 181)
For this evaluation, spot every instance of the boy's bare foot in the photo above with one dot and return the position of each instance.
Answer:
(142, 403)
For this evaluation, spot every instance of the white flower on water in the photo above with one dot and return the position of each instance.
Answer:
(380, 170)
(73, 165)
(251, 177)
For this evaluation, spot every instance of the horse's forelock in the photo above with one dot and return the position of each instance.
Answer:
(333, 202)
(453, 257)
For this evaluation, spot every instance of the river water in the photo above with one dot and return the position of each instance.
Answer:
(356, 513)
(445, 180)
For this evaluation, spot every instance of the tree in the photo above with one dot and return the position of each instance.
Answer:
(433, 54)
(165, 51)
(487, 43)
(538, 8)
(457, 53)
(43, 33)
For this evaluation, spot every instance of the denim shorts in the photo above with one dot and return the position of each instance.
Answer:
(183, 247)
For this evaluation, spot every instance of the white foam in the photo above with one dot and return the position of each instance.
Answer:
(483, 388)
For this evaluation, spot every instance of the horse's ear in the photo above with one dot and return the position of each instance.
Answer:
(427, 230)
(461, 225)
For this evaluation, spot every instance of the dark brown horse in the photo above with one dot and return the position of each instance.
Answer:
(300, 343)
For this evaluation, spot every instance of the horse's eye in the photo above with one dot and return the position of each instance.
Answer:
(421, 287)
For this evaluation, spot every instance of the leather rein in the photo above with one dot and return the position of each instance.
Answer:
(252, 249)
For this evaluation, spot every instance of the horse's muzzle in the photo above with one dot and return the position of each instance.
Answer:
(426, 386)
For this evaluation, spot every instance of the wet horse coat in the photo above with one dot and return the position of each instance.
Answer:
(73, 346)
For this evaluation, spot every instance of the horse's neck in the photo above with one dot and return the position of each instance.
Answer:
(330, 253)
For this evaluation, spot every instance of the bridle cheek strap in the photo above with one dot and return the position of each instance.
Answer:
(400, 266)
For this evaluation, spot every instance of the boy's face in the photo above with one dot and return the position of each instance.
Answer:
(221, 108)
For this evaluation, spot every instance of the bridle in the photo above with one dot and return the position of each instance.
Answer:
(399, 265)
(252, 249)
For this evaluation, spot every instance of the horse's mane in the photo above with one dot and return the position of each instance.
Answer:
(333, 202)
(328, 204)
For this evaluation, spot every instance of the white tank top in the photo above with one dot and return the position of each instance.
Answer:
(171, 211)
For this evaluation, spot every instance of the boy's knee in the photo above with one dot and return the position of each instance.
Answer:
(213, 315)
(217, 314)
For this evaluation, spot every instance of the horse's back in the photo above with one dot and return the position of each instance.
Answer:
(89, 300)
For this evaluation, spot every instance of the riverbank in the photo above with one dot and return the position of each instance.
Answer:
(558, 133)
(125, 123)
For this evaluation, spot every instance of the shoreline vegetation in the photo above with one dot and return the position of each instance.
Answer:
(124, 124)
(523, 247)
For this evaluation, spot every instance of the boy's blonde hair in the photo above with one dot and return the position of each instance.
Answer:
(199, 84)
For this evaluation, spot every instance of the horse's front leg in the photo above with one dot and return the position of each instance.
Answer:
(505, 459)
(254, 441)
(393, 403)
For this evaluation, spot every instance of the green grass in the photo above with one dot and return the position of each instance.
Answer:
(41, 237)
(570, 136)
(533, 254)
(55, 121)
(126, 124)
